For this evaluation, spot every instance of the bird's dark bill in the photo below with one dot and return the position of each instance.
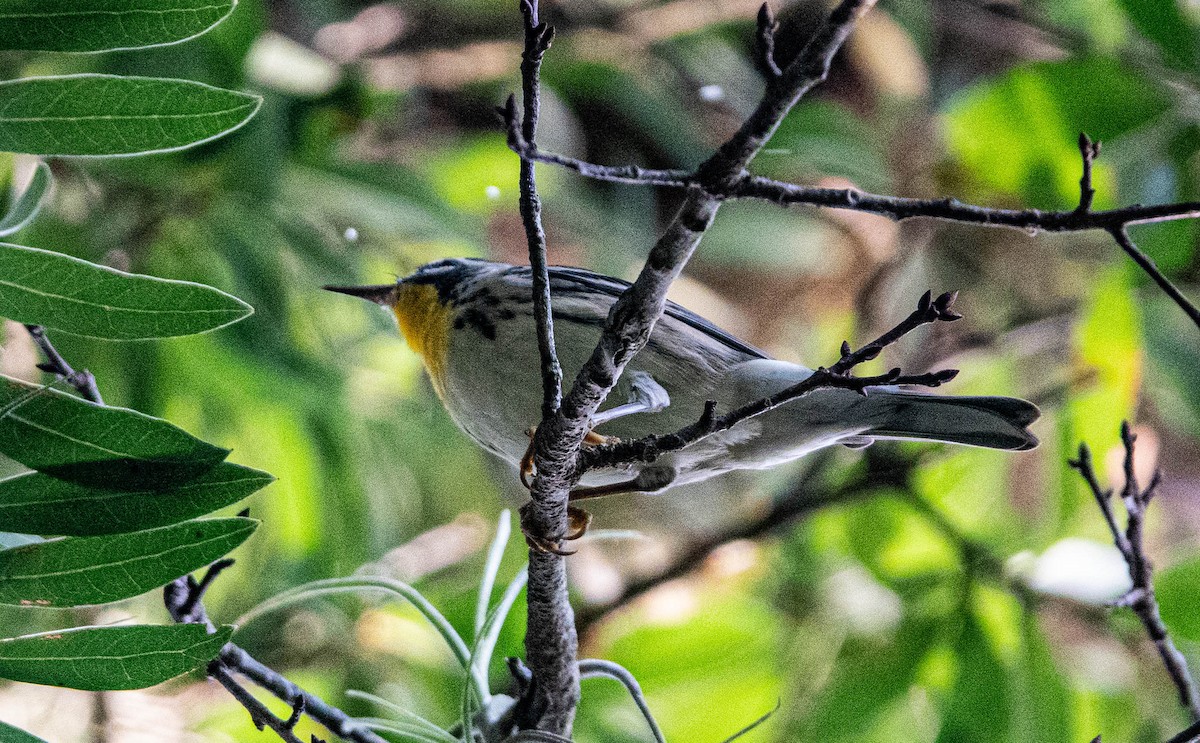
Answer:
(384, 294)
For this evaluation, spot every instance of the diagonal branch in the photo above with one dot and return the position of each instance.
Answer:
(837, 376)
(1131, 543)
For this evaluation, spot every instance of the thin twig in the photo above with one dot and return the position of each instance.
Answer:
(259, 714)
(743, 185)
(1088, 151)
(81, 380)
(764, 44)
(551, 645)
(837, 376)
(1130, 542)
(1121, 235)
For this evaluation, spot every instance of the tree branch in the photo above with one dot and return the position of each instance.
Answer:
(55, 364)
(1131, 543)
(743, 185)
(838, 376)
(550, 640)
(551, 645)
(184, 599)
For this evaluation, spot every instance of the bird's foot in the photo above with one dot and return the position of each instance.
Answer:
(527, 470)
(578, 521)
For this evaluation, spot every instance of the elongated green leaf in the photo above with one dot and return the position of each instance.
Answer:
(80, 571)
(105, 115)
(10, 734)
(110, 658)
(40, 287)
(34, 503)
(26, 207)
(72, 439)
(105, 25)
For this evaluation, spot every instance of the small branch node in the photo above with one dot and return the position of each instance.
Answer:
(1089, 151)
(764, 44)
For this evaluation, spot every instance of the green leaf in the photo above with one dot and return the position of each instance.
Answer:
(10, 734)
(1018, 134)
(1178, 592)
(105, 25)
(979, 707)
(1163, 22)
(40, 287)
(105, 115)
(81, 571)
(27, 207)
(110, 658)
(868, 677)
(34, 503)
(73, 439)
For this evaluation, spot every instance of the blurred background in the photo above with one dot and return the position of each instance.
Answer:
(947, 594)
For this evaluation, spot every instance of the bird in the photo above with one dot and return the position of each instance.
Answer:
(472, 323)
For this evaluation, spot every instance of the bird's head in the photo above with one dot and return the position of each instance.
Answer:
(423, 304)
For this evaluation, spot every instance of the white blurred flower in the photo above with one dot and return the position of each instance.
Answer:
(1075, 568)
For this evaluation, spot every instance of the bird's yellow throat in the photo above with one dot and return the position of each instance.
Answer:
(425, 323)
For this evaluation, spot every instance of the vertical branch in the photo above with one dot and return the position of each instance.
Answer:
(551, 643)
(1131, 543)
(537, 40)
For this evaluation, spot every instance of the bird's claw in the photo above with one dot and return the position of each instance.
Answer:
(578, 521)
(526, 470)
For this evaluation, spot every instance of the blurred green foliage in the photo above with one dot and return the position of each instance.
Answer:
(931, 610)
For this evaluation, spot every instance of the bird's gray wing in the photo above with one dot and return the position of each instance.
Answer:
(565, 277)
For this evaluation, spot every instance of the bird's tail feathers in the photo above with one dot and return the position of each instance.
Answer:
(992, 422)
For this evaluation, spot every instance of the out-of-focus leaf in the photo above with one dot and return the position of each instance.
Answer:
(819, 138)
(648, 111)
(1171, 345)
(72, 439)
(64, 293)
(104, 25)
(10, 734)
(80, 571)
(106, 115)
(1108, 358)
(1178, 592)
(34, 503)
(1042, 705)
(1163, 22)
(979, 707)
(110, 658)
(26, 208)
(1018, 134)
(868, 676)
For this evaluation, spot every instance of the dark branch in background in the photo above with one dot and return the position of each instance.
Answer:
(184, 599)
(838, 376)
(805, 497)
(1131, 543)
(551, 645)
